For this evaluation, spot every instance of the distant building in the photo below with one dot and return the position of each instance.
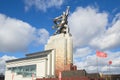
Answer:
(2, 77)
(111, 77)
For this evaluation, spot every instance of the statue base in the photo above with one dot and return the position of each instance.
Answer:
(63, 46)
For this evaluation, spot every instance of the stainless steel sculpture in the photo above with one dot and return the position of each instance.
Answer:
(61, 23)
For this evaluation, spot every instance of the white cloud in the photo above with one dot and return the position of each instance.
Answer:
(109, 39)
(88, 28)
(43, 36)
(3, 59)
(16, 35)
(85, 24)
(42, 4)
(81, 52)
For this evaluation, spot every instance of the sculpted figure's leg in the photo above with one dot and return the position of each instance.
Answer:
(66, 28)
(57, 31)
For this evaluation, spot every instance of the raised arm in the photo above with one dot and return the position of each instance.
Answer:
(67, 10)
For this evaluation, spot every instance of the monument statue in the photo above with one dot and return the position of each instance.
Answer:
(61, 23)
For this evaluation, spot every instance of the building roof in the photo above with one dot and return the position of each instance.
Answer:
(38, 53)
(32, 56)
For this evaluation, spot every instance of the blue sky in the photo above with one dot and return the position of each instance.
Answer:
(26, 25)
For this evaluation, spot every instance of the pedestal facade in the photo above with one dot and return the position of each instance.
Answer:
(63, 46)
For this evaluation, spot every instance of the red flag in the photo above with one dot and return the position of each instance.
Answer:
(13, 76)
(101, 54)
(110, 62)
(32, 76)
(60, 75)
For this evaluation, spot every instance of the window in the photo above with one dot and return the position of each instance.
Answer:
(25, 71)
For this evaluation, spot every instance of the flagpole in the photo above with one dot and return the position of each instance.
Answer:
(110, 62)
(110, 71)
(97, 64)
(100, 54)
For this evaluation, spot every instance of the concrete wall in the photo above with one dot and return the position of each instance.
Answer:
(62, 44)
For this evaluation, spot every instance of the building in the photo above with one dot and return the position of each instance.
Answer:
(111, 77)
(39, 64)
(56, 57)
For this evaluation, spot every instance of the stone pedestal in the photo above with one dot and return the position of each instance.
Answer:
(63, 46)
